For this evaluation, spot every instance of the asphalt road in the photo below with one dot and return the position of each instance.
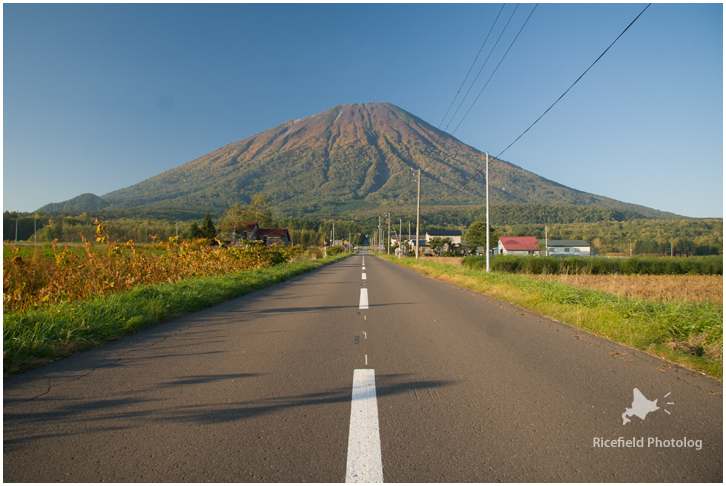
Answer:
(461, 388)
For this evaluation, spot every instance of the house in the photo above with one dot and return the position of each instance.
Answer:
(453, 236)
(272, 236)
(244, 231)
(250, 231)
(409, 246)
(518, 245)
(567, 247)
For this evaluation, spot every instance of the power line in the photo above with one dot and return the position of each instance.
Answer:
(576, 81)
(495, 69)
(562, 95)
(472, 66)
(482, 67)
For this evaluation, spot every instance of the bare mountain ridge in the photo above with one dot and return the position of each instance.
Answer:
(347, 158)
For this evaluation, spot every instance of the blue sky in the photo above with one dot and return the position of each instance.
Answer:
(97, 97)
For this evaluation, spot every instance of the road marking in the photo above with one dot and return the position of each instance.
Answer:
(364, 440)
(364, 267)
(367, 364)
(363, 299)
(363, 276)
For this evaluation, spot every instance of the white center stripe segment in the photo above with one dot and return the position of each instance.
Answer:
(363, 276)
(363, 299)
(364, 268)
(364, 439)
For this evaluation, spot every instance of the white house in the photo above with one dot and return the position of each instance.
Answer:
(453, 236)
(567, 247)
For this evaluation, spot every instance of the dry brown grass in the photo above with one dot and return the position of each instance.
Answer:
(450, 260)
(692, 288)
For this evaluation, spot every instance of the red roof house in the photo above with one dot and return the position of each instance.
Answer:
(517, 245)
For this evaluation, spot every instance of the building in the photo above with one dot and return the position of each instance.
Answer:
(273, 236)
(567, 247)
(518, 245)
(250, 231)
(244, 231)
(409, 246)
(453, 236)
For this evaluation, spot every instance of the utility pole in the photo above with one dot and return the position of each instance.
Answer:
(388, 242)
(547, 250)
(400, 230)
(418, 210)
(487, 211)
(379, 233)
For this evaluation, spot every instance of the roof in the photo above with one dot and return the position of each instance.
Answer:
(246, 226)
(443, 233)
(272, 233)
(566, 243)
(519, 243)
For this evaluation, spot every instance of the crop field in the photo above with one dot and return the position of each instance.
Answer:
(666, 288)
(38, 277)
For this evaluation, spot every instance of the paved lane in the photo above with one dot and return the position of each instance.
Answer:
(260, 388)
(499, 394)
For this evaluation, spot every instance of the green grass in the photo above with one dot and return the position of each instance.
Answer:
(709, 265)
(685, 333)
(36, 337)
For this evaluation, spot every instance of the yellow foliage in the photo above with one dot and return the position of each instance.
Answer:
(76, 275)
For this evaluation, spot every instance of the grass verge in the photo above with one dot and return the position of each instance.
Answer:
(687, 333)
(36, 337)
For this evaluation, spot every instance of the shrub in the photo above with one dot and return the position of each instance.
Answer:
(712, 265)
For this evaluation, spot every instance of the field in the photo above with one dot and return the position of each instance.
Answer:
(37, 277)
(667, 288)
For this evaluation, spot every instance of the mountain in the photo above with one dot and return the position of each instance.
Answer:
(347, 159)
(84, 202)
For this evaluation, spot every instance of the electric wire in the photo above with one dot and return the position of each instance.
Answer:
(482, 67)
(495, 69)
(558, 99)
(472, 66)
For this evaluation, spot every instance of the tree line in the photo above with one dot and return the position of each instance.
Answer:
(606, 236)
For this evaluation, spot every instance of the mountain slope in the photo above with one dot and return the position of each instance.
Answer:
(347, 158)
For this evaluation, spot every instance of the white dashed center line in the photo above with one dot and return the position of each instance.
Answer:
(364, 439)
(363, 299)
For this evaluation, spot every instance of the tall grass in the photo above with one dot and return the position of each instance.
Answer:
(685, 332)
(71, 274)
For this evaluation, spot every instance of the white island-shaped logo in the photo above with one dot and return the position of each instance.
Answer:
(641, 406)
